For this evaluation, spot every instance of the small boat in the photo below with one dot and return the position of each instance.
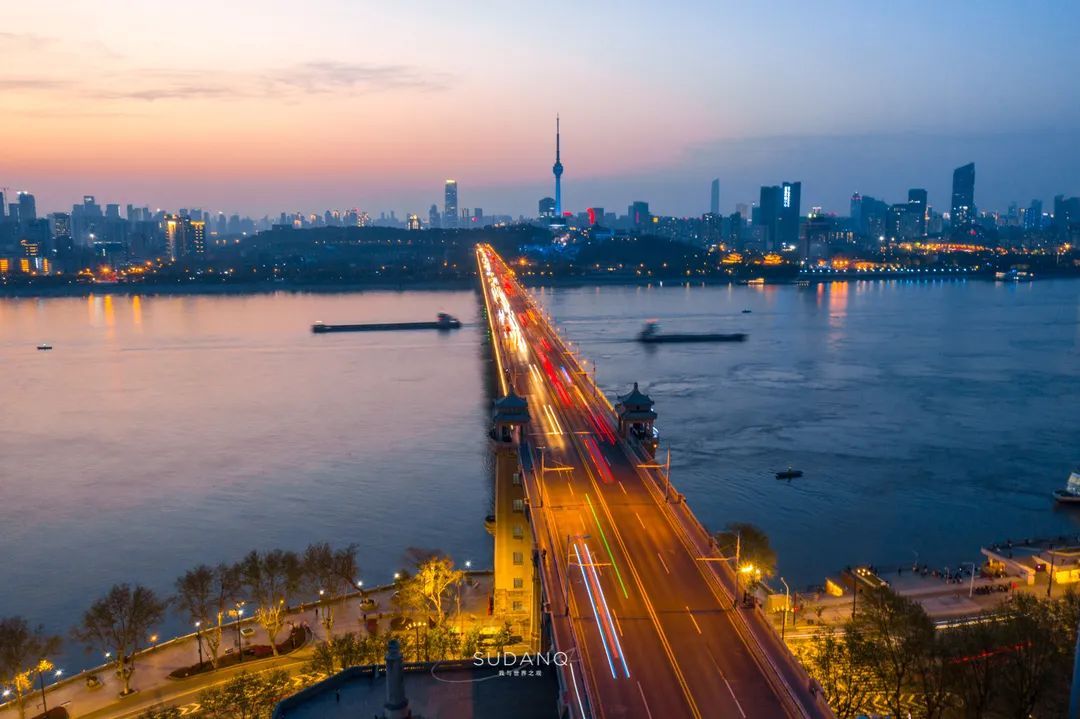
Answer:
(651, 335)
(44, 348)
(746, 312)
(789, 473)
(1071, 493)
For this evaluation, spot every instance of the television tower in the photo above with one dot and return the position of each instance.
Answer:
(557, 169)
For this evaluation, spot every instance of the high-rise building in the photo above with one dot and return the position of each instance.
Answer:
(714, 197)
(546, 207)
(557, 169)
(1066, 212)
(856, 213)
(450, 208)
(1033, 216)
(963, 195)
(184, 237)
(1, 204)
(917, 208)
(27, 208)
(433, 216)
(639, 213)
(790, 198)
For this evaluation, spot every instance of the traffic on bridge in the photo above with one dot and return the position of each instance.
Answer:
(634, 585)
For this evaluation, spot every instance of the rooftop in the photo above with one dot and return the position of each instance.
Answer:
(450, 690)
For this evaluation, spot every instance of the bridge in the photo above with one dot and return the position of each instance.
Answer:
(630, 585)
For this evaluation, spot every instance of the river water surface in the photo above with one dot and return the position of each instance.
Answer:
(163, 431)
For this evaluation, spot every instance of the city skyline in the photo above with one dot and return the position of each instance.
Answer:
(232, 126)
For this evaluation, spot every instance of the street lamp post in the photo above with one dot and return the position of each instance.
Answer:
(198, 640)
(239, 637)
(1050, 584)
(971, 584)
(787, 599)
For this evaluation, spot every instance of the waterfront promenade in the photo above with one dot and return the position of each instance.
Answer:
(154, 664)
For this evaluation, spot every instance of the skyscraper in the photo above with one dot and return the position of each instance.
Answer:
(27, 207)
(790, 198)
(916, 199)
(963, 195)
(450, 218)
(714, 197)
(557, 168)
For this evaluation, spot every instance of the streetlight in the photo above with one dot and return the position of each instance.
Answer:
(239, 637)
(971, 586)
(787, 599)
(746, 569)
(198, 640)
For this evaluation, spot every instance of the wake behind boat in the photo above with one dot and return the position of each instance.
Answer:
(444, 322)
(1071, 493)
(651, 335)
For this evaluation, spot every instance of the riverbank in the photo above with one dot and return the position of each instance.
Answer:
(812, 277)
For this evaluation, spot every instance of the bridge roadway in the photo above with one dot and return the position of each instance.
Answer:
(653, 621)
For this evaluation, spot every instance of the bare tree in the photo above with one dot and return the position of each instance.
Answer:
(24, 650)
(119, 622)
(327, 575)
(269, 579)
(204, 595)
(432, 584)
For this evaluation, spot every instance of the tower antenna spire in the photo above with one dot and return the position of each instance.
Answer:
(557, 170)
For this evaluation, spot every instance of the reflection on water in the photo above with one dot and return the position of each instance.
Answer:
(162, 432)
(928, 417)
(166, 431)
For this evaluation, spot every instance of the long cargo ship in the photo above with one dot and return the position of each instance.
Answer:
(444, 322)
(651, 335)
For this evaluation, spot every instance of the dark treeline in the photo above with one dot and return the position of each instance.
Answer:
(891, 659)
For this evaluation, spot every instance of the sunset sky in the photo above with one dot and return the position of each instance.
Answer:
(277, 105)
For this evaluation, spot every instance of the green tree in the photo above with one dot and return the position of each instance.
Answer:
(162, 712)
(269, 578)
(119, 622)
(892, 633)
(23, 649)
(327, 575)
(245, 696)
(833, 660)
(750, 543)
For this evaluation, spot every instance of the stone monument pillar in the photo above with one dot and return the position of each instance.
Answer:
(397, 704)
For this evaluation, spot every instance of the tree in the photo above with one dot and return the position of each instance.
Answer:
(892, 633)
(161, 712)
(974, 665)
(432, 585)
(751, 544)
(118, 622)
(328, 574)
(1031, 654)
(347, 650)
(833, 660)
(246, 696)
(269, 579)
(23, 649)
(204, 594)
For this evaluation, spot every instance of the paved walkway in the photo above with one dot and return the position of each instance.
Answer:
(154, 665)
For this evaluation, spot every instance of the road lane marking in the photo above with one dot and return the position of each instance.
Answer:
(663, 563)
(698, 628)
(647, 710)
(639, 520)
(726, 683)
(622, 487)
(618, 574)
